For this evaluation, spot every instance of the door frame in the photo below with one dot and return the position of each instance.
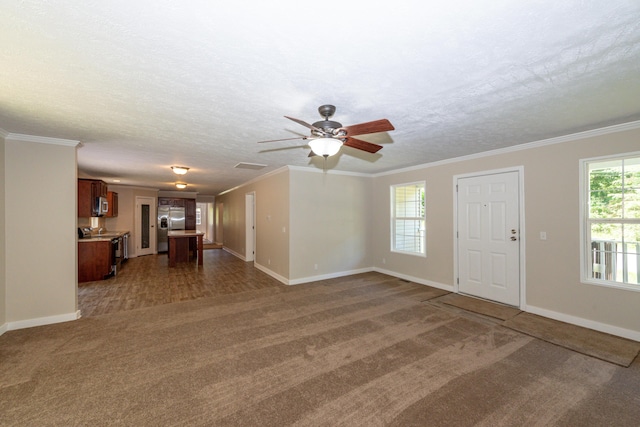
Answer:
(153, 233)
(250, 224)
(521, 219)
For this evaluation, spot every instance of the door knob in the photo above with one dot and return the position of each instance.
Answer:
(513, 231)
(513, 238)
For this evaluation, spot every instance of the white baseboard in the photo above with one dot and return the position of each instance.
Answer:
(4, 328)
(236, 254)
(41, 321)
(585, 323)
(328, 276)
(271, 273)
(415, 279)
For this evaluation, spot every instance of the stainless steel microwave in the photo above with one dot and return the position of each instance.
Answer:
(100, 206)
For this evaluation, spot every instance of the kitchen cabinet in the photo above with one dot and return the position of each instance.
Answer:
(112, 198)
(88, 190)
(190, 214)
(94, 260)
(85, 198)
(100, 189)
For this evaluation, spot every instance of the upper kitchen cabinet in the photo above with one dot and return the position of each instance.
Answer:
(112, 198)
(100, 189)
(85, 198)
(190, 214)
(91, 195)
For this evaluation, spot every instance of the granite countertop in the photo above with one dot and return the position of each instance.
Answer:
(104, 236)
(185, 233)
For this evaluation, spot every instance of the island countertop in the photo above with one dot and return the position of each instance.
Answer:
(185, 233)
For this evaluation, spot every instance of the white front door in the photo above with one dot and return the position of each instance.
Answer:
(489, 236)
(145, 226)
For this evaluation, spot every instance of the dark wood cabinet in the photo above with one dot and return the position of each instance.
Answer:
(190, 214)
(100, 189)
(88, 190)
(94, 260)
(112, 198)
(85, 198)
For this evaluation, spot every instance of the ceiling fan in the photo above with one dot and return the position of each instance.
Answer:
(328, 136)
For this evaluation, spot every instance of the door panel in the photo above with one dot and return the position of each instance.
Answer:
(488, 237)
(145, 226)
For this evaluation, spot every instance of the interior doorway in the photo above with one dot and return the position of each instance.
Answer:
(219, 226)
(250, 235)
(145, 225)
(489, 229)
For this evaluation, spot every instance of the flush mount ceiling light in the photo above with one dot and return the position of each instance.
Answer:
(179, 170)
(181, 185)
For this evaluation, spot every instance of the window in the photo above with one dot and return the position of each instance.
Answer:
(611, 213)
(198, 216)
(408, 232)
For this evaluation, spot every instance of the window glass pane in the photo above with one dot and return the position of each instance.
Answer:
(605, 204)
(408, 225)
(632, 173)
(631, 249)
(606, 231)
(632, 204)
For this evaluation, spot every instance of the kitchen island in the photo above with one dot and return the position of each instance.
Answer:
(179, 245)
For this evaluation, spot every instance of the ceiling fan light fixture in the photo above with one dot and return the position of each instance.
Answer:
(179, 170)
(181, 185)
(326, 146)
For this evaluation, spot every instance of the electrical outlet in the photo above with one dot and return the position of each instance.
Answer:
(384, 260)
(543, 235)
(315, 266)
(269, 261)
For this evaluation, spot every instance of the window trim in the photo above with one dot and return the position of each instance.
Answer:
(392, 206)
(585, 223)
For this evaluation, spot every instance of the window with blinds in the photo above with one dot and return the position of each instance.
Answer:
(408, 231)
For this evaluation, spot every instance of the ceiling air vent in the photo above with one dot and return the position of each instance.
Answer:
(254, 166)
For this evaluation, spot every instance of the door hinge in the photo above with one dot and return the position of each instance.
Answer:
(456, 188)
(457, 280)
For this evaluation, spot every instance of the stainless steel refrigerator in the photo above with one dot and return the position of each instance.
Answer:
(169, 218)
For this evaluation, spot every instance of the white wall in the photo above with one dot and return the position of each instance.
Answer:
(551, 193)
(40, 230)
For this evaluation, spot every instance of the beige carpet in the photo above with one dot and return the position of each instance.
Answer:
(476, 305)
(597, 344)
(356, 351)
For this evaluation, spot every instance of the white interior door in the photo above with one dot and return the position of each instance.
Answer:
(145, 226)
(489, 237)
(251, 227)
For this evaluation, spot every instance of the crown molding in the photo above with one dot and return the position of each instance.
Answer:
(41, 139)
(256, 179)
(520, 147)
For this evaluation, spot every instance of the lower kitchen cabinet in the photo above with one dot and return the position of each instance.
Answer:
(94, 260)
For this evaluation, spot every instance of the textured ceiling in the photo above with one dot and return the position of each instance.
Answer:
(149, 84)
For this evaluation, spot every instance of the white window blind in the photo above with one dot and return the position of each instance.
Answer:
(408, 218)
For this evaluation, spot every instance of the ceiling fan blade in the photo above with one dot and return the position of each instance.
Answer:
(305, 124)
(312, 154)
(285, 139)
(382, 125)
(362, 145)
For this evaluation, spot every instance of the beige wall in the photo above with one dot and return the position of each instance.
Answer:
(40, 233)
(3, 240)
(330, 224)
(272, 215)
(125, 221)
(551, 193)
